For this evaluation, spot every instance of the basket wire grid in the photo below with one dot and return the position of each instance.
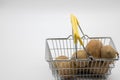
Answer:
(97, 69)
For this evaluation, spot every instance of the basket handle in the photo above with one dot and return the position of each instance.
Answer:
(76, 36)
(75, 25)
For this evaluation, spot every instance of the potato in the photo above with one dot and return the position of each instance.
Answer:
(56, 63)
(79, 64)
(108, 52)
(66, 69)
(81, 54)
(98, 67)
(94, 48)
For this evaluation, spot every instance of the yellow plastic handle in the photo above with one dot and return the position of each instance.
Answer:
(75, 25)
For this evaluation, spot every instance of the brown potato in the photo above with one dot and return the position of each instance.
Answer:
(66, 69)
(108, 52)
(94, 48)
(56, 63)
(79, 64)
(61, 57)
(81, 54)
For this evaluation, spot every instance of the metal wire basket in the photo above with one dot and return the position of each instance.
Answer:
(94, 69)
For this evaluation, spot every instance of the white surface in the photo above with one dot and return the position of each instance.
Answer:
(24, 26)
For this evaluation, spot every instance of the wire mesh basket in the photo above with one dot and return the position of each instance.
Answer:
(73, 68)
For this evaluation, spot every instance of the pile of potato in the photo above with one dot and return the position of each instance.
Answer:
(68, 69)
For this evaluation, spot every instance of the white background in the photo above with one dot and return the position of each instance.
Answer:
(25, 24)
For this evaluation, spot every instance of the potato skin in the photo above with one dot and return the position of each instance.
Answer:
(108, 52)
(62, 57)
(94, 48)
(66, 69)
(81, 54)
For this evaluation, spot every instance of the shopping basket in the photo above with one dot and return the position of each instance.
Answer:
(96, 69)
